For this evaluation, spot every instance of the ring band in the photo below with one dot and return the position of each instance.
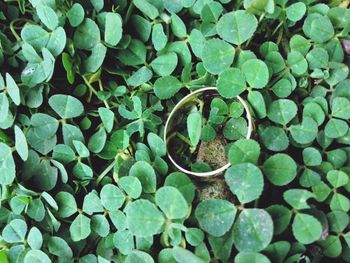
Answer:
(179, 105)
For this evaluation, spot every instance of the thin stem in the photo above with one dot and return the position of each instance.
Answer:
(101, 88)
(129, 12)
(183, 138)
(105, 171)
(92, 90)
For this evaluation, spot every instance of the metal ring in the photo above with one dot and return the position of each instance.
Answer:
(177, 106)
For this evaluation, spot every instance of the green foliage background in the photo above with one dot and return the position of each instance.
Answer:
(85, 89)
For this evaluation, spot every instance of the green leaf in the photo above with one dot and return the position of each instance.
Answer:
(145, 173)
(36, 256)
(143, 218)
(81, 149)
(107, 117)
(35, 35)
(35, 238)
(112, 198)
(297, 198)
(256, 73)
(337, 178)
(21, 143)
(305, 132)
(217, 55)
(311, 156)
(147, 8)
(235, 129)
(282, 111)
(4, 106)
(38, 72)
(341, 108)
(120, 139)
(338, 221)
(336, 128)
(197, 41)
(159, 39)
(36, 210)
(183, 183)
(49, 200)
(259, 6)
(300, 44)
(171, 202)
(297, 63)
(156, 144)
(57, 41)
(87, 35)
(164, 64)
(244, 150)
(67, 205)
(306, 228)
(257, 101)
(97, 4)
(248, 257)
(166, 87)
(231, 83)
(43, 125)
(100, 225)
(134, 55)
(253, 230)
(177, 26)
(314, 111)
(75, 15)
(98, 140)
(139, 77)
(66, 106)
(12, 89)
(59, 247)
(317, 58)
(185, 256)
(296, 11)
(280, 169)
(246, 181)
(194, 124)
(237, 27)
(318, 27)
(47, 16)
(63, 153)
(340, 202)
(137, 256)
(211, 12)
(337, 73)
(92, 203)
(15, 231)
(332, 246)
(222, 246)
(282, 88)
(215, 216)
(131, 185)
(80, 228)
(281, 217)
(194, 236)
(113, 28)
(7, 165)
(95, 60)
(124, 241)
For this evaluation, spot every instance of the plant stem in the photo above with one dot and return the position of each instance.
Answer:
(105, 171)
(129, 12)
(183, 138)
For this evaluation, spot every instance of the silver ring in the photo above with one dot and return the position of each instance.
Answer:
(177, 106)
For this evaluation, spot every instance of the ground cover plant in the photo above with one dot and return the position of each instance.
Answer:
(201, 121)
(86, 88)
